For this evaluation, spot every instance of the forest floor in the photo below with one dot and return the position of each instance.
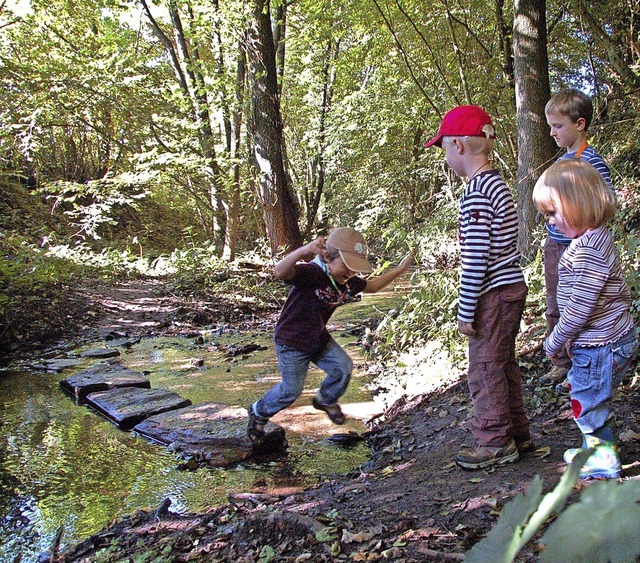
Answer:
(410, 502)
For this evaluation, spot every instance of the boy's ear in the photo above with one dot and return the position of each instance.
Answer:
(324, 253)
(581, 123)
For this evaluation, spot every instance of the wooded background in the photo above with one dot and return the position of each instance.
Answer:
(253, 123)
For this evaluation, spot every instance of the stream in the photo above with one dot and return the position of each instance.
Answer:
(62, 464)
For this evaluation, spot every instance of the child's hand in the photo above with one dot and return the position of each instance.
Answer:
(466, 328)
(315, 247)
(407, 262)
(567, 347)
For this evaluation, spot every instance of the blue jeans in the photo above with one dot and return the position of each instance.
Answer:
(294, 365)
(595, 372)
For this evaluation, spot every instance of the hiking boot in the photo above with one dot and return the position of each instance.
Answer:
(334, 412)
(554, 375)
(255, 426)
(563, 388)
(486, 456)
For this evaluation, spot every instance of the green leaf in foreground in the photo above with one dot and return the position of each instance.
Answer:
(603, 526)
(523, 516)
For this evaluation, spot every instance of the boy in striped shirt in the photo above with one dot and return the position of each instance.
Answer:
(492, 291)
(569, 114)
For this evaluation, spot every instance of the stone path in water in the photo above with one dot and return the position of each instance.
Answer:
(212, 434)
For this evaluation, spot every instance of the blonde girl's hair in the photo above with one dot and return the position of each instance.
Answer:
(575, 188)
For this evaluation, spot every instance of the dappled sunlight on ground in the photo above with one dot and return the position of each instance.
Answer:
(304, 419)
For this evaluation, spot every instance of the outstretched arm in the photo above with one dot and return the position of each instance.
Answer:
(379, 282)
(285, 269)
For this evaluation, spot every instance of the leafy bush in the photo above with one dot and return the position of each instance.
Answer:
(429, 313)
(29, 286)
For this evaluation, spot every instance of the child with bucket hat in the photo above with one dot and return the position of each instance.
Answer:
(318, 287)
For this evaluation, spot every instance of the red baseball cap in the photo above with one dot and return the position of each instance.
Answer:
(464, 121)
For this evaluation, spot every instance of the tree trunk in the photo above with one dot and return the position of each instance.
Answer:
(535, 147)
(275, 194)
(186, 65)
(234, 151)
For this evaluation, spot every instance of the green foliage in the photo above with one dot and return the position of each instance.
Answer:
(29, 279)
(25, 268)
(267, 554)
(429, 314)
(602, 526)
(95, 205)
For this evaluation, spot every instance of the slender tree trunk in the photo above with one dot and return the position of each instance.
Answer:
(279, 35)
(317, 165)
(617, 46)
(186, 65)
(235, 144)
(275, 193)
(535, 146)
(505, 31)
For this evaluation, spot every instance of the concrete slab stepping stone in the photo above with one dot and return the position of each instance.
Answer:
(128, 406)
(123, 342)
(102, 377)
(210, 433)
(100, 353)
(59, 364)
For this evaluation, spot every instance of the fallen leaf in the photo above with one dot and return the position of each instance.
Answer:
(348, 537)
(628, 435)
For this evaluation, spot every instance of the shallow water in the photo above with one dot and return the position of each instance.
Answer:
(63, 465)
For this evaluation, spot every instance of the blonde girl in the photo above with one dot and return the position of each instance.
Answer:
(595, 326)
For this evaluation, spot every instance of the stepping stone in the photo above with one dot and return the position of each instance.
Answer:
(123, 342)
(102, 377)
(211, 433)
(128, 406)
(100, 353)
(59, 364)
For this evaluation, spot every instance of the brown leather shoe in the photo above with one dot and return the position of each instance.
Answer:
(255, 426)
(334, 412)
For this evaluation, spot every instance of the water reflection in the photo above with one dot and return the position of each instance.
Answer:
(62, 464)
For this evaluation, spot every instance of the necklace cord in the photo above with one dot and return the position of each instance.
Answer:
(478, 170)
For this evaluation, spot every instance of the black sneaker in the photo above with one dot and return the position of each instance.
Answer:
(484, 456)
(564, 388)
(255, 426)
(334, 412)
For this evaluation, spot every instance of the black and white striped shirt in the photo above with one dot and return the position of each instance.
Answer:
(488, 230)
(593, 296)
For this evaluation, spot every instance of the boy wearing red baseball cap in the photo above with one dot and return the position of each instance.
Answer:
(301, 336)
(492, 290)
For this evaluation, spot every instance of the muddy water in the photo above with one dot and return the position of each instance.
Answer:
(63, 465)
